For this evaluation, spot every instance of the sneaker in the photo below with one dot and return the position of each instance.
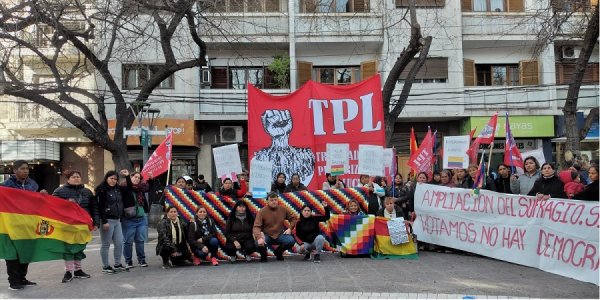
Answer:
(28, 283)
(196, 260)
(248, 258)
(143, 264)
(129, 266)
(307, 256)
(68, 277)
(166, 266)
(119, 268)
(81, 274)
(16, 287)
(214, 261)
(108, 270)
(317, 258)
(232, 259)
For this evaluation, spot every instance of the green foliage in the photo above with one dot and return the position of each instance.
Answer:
(281, 70)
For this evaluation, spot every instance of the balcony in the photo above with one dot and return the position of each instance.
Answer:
(339, 27)
(531, 99)
(498, 26)
(222, 104)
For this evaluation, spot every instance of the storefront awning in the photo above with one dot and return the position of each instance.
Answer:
(29, 150)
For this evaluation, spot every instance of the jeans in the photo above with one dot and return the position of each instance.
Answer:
(317, 244)
(285, 242)
(212, 245)
(114, 234)
(134, 229)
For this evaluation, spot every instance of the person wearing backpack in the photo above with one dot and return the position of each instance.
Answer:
(110, 208)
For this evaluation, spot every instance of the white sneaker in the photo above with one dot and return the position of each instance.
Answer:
(248, 258)
(232, 259)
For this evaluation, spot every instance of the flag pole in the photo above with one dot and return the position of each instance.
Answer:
(490, 158)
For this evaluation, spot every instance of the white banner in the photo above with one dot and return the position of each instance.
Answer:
(455, 152)
(557, 235)
(227, 161)
(388, 162)
(537, 153)
(338, 156)
(370, 160)
(260, 178)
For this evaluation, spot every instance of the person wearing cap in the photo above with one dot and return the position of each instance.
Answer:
(202, 185)
(189, 182)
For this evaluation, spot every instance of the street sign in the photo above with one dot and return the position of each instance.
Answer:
(144, 138)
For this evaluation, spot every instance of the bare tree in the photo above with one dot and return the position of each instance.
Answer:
(576, 20)
(417, 45)
(84, 38)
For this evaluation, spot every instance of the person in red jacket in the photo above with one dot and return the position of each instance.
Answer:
(227, 188)
(573, 185)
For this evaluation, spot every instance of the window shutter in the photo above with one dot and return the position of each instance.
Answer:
(516, 5)
(594, 2)
(421, 3)
(304, 72)
(308, 6)
(469, 72)
(466, 5)
(433, 68)
(219, 78)
(368, 69)
(360, 6)
(529, 73)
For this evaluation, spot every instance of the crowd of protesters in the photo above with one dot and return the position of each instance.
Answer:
(119, 209)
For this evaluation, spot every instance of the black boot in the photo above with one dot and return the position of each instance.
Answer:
(263, 254)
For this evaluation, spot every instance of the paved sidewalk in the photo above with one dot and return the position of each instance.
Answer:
(432, 276)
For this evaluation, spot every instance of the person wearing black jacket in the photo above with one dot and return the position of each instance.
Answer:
(548, 185)
(399, 191)
(469, 182)
(135, 227)
(390, 209)
(308, 231)
(295, 185)
(503, 180)
(202, 236)
(76, 192)
(172, 243)
(238, 232)
(202, 185)
(110, 209)
(279, 185)
(590, 192)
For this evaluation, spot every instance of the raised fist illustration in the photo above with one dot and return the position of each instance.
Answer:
(277, 122)
(285, 158)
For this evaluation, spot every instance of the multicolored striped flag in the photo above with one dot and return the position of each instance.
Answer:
(37, 227)
(354, 235)
(512, 156)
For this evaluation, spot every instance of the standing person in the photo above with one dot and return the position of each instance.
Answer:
(268, 228)
(135, 226)
(332, 182)
(460, 179)
(202, 236)
(76, 192)
(522, 184)
(110, 207)
(503, 180)
(189, 183)
(445, 179)
(309, 232)
(181, 183)
(399, 191)
(409, 213)
(172, 242)
(238, 232)
(16, 270)
(227, 189)
(590, 192)
(469, 181)
(374, 192)
(548, 185)
(436, 178)
(279, 185)
(295, 185)
(202, 185)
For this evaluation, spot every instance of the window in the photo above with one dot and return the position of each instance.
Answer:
(434, 70)
(28, 111)
(572, 5)
(336, 75)
(493, 5)
(236, 78)
(497, 75)
(564, 71)
(45, 33)
(422, 3)
(136, 75)
(233, 6)
(334, 6)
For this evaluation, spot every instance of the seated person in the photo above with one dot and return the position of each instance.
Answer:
(353, 208)
(172, 242)
(309, 232)
(390, 209)
(202, 237)
(238, 232)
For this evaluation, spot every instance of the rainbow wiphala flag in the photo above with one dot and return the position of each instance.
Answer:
(36, 227)
(354, 235)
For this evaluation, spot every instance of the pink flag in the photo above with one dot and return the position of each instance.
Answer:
(512, 156)
(421, 161)
(160, 160)
(486, 136)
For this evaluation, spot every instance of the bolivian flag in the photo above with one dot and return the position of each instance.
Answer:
(36, 227)
(383, 245)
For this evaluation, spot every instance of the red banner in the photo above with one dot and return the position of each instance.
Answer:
(159, 161)
(421, 161)
(292, 131)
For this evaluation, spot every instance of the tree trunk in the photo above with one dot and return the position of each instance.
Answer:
(120, 158)
(572, 132)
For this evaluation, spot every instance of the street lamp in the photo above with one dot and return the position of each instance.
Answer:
(144, 112)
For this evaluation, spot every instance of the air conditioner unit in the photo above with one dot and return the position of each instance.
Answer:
(570, 52)
(232, 134)
(205, 77)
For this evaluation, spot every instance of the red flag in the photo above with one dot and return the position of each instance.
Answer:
(160, 160)
(512, 156)
(486, 136)
(421, 160)
(413, 142)
(472, 134)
